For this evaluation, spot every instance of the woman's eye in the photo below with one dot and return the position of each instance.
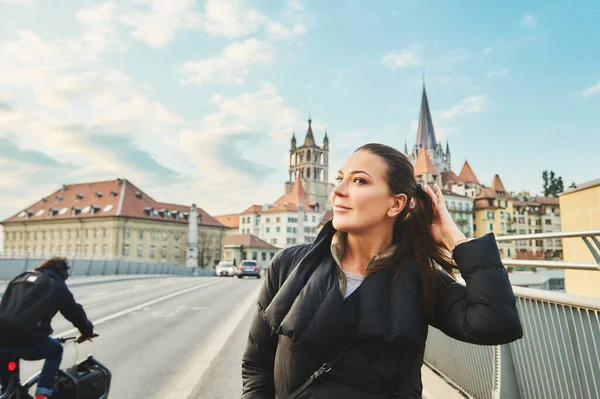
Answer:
(359, 180)
(339, 179)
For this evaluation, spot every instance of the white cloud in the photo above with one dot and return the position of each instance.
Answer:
(231, 18)
(158, 24)
(456, 55)
(487, 51)
(467, 106)
(278, 31)
(99, 21)
(231, 66)
(22, 2)
(497, 72)
(528, 21)
(591, 91)
(400, 59)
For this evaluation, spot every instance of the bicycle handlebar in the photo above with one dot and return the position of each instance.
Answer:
(64, 340)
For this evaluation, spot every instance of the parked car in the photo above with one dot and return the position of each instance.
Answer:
(225, 269)
(248, 268)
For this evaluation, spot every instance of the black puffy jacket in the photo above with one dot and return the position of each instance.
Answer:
(302, 321)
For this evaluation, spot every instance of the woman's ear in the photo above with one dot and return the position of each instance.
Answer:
(398, 204)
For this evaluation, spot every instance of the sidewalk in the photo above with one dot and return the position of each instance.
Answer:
(434, 386)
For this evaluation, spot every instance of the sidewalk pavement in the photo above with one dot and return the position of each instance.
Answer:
(434, 386)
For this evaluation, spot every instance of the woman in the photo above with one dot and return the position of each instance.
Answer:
(358, 301)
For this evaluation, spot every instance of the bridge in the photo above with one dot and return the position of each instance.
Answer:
(165, 334)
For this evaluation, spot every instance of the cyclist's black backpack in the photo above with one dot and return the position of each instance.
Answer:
(25, 303)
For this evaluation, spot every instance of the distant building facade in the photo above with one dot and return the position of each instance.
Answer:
(106, 220)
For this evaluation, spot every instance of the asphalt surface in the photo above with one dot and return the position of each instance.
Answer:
(165, 338)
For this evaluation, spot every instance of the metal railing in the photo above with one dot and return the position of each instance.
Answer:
(558, 356)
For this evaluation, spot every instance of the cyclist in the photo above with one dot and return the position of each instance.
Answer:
(38, 344)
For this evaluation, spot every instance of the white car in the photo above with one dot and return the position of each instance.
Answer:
(225, 269)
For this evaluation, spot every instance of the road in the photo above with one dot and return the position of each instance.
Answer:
(166, 337)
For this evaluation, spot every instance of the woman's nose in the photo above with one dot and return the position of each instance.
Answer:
(339, 190)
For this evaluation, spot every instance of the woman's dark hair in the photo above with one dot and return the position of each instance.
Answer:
(412, 232)
(57, 264)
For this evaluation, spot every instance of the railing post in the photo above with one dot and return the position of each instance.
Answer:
(505, 377)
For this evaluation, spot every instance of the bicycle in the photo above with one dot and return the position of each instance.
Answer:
(67, 383)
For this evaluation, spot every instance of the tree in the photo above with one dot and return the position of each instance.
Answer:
(552, 185)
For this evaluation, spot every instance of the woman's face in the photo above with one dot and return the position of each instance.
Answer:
(362, 199)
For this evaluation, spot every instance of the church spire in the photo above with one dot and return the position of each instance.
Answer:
(425, 133)
(293, 140)
(310, 139)
(326, 141)
(447, 147)
(405, 148)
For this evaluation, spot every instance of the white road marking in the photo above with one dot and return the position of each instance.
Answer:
(206, 354)
(138, 307)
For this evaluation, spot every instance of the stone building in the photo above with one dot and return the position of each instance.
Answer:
(109, 219)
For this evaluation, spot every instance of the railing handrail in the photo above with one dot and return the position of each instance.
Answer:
(551, 264)
(559, 298)
(540, 236)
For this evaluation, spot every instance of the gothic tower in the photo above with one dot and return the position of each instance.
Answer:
(426, 140)
(311, 163)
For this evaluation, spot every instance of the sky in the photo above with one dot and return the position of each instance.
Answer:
(196, 101)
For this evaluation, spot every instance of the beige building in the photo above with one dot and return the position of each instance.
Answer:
(534, 215)
(493, 214)
(240, 247)
(108, 220)
(580, 210)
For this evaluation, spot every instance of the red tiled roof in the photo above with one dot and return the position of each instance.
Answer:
(232, 221)
(118, 198)
(247, 240)
(467, 175)
(424, 164)
(289, 202)
(450, 177)
(253, 209)
(497, 184)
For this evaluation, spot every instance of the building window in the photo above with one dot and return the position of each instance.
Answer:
(104, 233)
(126, 250)
(278, 229)
(104, 249)
(274, 241)
(152, 251)
(85, 250)
(268, 220)
(176, 237)
(490, 215)
(139, 251)
(268, 229)
(508, 251)
(165, 235)
(491, 226)
(95, 249)
(76, 234)
(128, 233)
(70, 233)
(95, 233)
(176, 252)
(141, 235)
(87, 233)
(254, 255)
(278, 220)
(264, 256)
(153, 236)
(306, 218)
(164, 252)
(77, 249)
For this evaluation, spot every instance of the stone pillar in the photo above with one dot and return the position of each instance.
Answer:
(191, 259)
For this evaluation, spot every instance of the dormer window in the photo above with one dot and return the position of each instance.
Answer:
(149, 211)
(138, 194)
(113, 194)
(95, 208)
(75, 210)
(59, 198)
(79, 196)
(53, 211)
(98, 194)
